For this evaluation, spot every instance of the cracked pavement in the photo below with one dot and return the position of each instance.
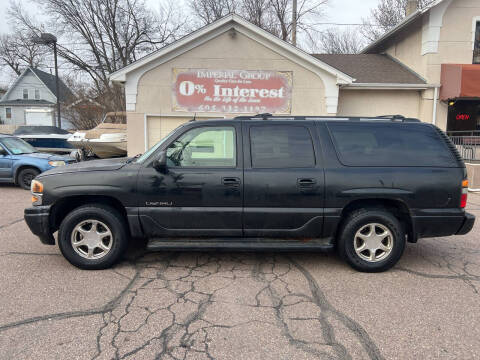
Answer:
(236, 305)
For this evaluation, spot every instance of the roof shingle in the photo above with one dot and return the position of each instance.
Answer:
(49, 81)
(371, 68)
(26, 102)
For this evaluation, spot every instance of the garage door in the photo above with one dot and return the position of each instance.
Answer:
(159, 127)
(38, 117)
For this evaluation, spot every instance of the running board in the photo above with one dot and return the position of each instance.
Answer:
(238, 244)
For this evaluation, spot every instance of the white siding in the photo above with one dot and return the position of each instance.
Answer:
(31, 82)
(18, 114)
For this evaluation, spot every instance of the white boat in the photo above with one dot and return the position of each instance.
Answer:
(106, 140)
(49, 139)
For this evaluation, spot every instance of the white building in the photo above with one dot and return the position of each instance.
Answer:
(32, 98)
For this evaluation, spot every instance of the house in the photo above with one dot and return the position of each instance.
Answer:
(31, 100)
(441, 43)
(232, 67)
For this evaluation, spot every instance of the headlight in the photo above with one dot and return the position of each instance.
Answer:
(56, 163)
(36, 187)
(37, 192)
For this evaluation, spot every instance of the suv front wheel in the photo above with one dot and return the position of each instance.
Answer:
(93, 237)
(371, 240)
(25, 177)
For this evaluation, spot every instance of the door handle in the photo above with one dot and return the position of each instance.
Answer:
(231, 181)
(306, 182)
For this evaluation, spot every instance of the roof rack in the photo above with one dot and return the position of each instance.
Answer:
(268, 116)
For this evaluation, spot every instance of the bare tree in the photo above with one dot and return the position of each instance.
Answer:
(210, 10)
(386, 15)
(274, 16)
(98, 37)
(87, 110)
(308, 12)
(333, 41)
(257, 12)
(17, 52)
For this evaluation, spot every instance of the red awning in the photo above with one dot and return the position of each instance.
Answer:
(460, 80)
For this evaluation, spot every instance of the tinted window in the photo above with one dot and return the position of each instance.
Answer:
(281, 146)
(389, 145)
(204, 147)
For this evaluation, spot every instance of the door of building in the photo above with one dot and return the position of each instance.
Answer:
(38, 117)
(463, 116)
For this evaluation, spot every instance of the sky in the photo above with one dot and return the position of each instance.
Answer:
(336, 11)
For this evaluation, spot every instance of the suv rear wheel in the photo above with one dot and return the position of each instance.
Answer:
(93, 237)
(372, 240)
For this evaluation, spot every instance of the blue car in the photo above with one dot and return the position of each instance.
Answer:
(20, 162)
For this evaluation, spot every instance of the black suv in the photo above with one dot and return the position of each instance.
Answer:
(362, 185)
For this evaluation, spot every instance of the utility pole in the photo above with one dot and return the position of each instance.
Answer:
(57, 87)
(48, 39)
(294, 23)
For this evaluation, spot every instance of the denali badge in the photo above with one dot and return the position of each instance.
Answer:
(158, 203)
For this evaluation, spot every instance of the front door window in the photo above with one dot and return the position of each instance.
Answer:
(204, 147)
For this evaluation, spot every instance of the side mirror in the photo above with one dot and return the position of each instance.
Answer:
(3, 152)
(160, 163)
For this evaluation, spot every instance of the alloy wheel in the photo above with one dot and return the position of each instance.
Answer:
(373, 242)
(92, 239)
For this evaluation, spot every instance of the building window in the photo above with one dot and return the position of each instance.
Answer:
(8, 113)
(25, 94)
(37, 94)
(476, 45)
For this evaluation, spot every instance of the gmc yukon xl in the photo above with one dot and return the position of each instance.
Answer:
(364, 186)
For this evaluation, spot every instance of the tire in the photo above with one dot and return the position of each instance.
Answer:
(83, 225)
(25, 177)
(369, 226)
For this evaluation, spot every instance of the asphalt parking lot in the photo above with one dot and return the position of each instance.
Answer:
(236, 305)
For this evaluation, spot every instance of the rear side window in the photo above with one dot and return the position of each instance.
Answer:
(389, 145)
(281, 146)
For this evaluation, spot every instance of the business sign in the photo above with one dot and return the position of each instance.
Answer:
(232, 91)
(462, 117)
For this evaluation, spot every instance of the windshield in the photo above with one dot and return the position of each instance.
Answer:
(17, 146)
(149, 152)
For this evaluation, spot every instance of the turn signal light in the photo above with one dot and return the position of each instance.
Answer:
(463, 197)
(36, 187)
(36, 200)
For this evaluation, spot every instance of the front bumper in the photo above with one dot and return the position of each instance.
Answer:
(38, 220)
